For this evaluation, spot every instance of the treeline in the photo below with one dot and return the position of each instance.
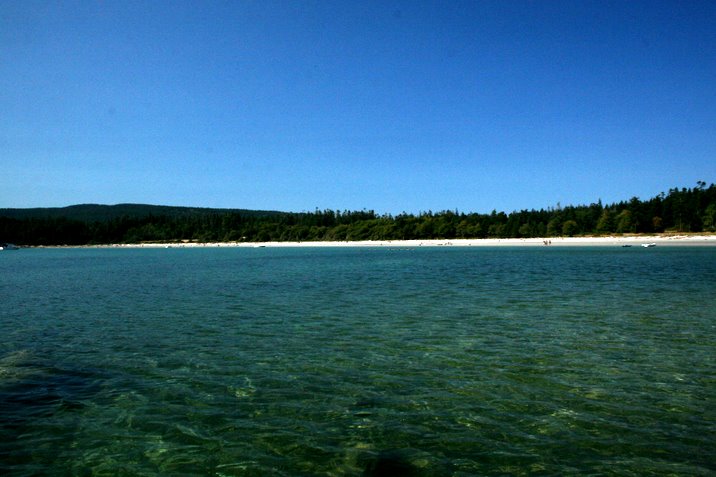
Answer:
(679, 210)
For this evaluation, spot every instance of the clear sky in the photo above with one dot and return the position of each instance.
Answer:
(391, 106)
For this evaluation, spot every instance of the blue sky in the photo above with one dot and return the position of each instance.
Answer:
(391, 106)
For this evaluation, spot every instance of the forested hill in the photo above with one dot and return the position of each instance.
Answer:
(678, 211)
(100, 213)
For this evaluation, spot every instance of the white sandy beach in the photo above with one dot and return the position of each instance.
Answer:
(616, 241)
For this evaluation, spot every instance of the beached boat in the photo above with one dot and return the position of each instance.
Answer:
(648, 245)
(8, 246)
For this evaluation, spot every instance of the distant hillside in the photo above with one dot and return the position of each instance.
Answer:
(103, 213)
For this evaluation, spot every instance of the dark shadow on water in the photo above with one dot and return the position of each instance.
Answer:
(399, 463)
(389, 464)
(44, 391)
(40, 402)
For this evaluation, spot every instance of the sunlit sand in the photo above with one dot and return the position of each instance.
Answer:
(624, 241)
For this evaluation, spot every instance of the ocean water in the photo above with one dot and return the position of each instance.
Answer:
(358, 361)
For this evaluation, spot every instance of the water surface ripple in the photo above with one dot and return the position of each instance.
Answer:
(358, 361)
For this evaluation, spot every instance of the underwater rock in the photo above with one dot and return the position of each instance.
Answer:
(390, 464)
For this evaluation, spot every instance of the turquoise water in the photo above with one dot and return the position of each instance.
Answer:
(358, 361)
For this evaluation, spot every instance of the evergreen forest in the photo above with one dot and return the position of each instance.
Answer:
(685, 210)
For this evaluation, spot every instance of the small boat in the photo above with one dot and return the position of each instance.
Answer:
(8, 246)
(626, 245)
(648, 245)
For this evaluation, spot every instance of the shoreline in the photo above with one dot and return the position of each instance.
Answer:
(620, 241)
